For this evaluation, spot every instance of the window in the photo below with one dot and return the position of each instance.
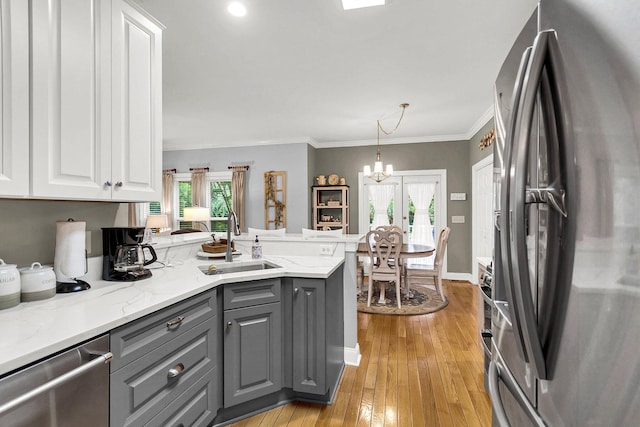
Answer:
(219, 200)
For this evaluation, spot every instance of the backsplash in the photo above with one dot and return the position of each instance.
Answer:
(28, 227)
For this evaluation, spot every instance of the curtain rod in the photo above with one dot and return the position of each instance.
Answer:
(170, 170)
(239, 167)
(199, 169)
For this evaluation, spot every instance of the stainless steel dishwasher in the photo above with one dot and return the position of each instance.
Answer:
(70, 389)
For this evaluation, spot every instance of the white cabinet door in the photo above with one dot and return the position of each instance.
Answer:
(71, 90)
(137, 104)
(14, 98)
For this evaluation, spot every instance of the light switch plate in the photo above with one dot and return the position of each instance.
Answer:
(458, 196)
(457, 219)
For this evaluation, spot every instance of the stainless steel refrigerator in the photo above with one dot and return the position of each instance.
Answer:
(566, 320)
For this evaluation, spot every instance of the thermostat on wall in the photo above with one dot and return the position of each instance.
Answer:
(458, 196)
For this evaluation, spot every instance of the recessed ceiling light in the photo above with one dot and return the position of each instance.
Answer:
(237, 9)
(357, 4)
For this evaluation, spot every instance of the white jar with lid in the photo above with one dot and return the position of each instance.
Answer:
(9, 285)
(37, 282)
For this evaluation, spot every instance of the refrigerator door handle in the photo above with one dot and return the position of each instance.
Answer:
(504, 219)
(500, 415)
(497, 373)
(542, 80)
(551, 196)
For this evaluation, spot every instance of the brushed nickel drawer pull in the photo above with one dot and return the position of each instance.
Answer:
(175, 322)
(175, 371)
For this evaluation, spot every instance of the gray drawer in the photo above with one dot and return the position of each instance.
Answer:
(196, 407)
(134, 340)
(142, 389)
(251, 293)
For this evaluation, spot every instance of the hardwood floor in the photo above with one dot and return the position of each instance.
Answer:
(415, 371)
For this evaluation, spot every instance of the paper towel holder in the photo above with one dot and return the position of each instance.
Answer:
(66, 265)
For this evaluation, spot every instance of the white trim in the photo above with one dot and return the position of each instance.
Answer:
(352, 356)
(198, 144)
(457, 276)
(474, 210)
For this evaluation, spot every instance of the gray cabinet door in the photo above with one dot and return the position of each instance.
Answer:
(309, 345)
(252, 353)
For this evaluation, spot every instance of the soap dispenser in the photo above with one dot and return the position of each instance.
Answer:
(256, 249)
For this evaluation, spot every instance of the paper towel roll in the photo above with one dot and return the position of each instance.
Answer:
(70, 257)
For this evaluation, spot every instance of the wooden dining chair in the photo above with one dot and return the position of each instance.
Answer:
(363, 265)
(415, 272)
(384, 252)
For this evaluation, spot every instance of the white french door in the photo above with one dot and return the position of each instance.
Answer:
(413, 200)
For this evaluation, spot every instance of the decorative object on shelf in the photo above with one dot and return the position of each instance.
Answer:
(343, 181)
(487, 139)
(321, 180)
(275, 200)
(379, 173)
(333, 179)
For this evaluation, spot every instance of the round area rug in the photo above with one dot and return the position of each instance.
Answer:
(425, 300)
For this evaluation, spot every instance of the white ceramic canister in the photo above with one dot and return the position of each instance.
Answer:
(37, 282)
(9, 285)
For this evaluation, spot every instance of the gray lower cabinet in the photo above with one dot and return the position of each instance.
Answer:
(164, 370)
(252, 341)
(309, 344)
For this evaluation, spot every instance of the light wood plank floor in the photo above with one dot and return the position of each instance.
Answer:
(415, 371)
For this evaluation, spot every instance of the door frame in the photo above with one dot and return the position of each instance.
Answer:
(440, 218)
(475, 169)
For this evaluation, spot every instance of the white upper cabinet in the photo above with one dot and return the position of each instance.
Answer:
(136, 104)
(14, 98)
(96, 101)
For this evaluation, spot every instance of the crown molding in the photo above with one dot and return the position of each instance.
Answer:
(201, 144)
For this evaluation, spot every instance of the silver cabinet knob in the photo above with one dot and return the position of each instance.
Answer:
(119, 184)
(175, 371)
(295, 291)
(108, 184)
(229, 324)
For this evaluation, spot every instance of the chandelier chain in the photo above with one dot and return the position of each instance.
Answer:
(380, 128)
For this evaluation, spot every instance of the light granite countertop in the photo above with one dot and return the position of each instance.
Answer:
(38, 329)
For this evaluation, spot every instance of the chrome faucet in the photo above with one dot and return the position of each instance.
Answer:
(236, 231)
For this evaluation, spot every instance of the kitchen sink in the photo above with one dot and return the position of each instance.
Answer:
(236, 267)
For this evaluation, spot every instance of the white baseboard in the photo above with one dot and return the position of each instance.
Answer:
(458, 276)
(352, 356)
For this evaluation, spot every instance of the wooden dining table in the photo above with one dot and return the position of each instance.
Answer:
(408, 250)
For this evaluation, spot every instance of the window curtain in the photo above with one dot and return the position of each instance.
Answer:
(166, 204)
(421, 195)
(380, 196)
(199, 187)
(237, 189)
(138, 214)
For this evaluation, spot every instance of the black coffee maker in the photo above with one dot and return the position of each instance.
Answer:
(124, 254)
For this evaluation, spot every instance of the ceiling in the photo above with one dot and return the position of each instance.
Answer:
(295, 71)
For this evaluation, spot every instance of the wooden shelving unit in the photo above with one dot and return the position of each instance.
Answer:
(331, 207)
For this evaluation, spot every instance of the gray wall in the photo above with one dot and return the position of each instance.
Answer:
(29, 227)
(452, 156)
(292, 158)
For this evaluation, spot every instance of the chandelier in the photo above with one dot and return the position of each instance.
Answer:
(380, 173)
